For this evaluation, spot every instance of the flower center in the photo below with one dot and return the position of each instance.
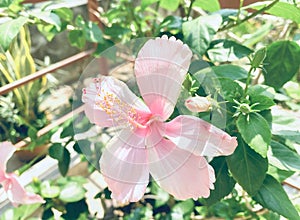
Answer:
(121, 112)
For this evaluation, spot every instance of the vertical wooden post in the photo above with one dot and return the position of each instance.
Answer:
(94, 16)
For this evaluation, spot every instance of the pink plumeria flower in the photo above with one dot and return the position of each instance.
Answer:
(171, 151)
(198, 103)
(12, 186)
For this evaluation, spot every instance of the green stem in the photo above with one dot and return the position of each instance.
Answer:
(248, 82)
(239, 11)
(29, 164)
(190, 9)
(249, 17)
(155, 17)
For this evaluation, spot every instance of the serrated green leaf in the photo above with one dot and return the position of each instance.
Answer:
(211, 6)
(227, 51)
(9, 31)
(283, 157)
(272, 196)
(224, 182)
(281, 63)
(247, 167)
(255, 131)
(199, 32)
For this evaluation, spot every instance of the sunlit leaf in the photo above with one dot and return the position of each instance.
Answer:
(9, 31)
(211, 6)
(199, 32)
(255, 131)
(280, 9)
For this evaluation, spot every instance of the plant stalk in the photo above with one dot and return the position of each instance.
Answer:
(249, 17)
(248, 82)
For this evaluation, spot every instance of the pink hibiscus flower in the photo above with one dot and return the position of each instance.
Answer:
(15, 191)
(171, 151)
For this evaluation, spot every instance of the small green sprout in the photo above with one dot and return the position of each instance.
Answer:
(244, 109)
(258, 58)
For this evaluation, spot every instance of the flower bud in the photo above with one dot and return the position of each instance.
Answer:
(198, 104)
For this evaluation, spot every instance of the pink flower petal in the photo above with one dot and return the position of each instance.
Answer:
(179, 172)
(6, 152)
(124, 166)
(109, 102)
(199, 137)
(160, 69)
(17, 194)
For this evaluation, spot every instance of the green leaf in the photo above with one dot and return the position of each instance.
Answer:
(183, 209)
(49, 18)
(199, 32)
(162, 196)
(9, 31)
(272, 196)
(224, 182)
(211, 6)
(278, 174)
(230, 71)
(283, 157)
(255, 131)
(48, 30)
(230, 90)
(146, 3)
(280, 9)
(281, 63)
(5, 3)
(287, 134)
(60, 153)
(93, 33)
(261, 97)
(171, 23)
(64, 13)
(258, 35)
(77, 38)
(72, 192)
(171, 5)
(227, 51)
(116, 31)
(21, 212)
(106, 49)
(49, 191)
(247, 167)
